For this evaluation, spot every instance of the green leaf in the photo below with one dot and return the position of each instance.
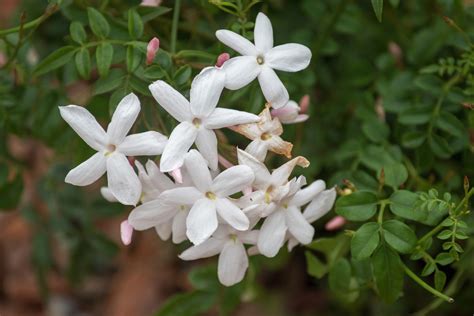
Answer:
(376, 130)
(358, 206)
(154, 72)
(339, 275)
(315, 267)
(430, 83)
(395, 174)
(109, 83)
(403, 204)
(204, 278)
(415, 116)
(444, 258)
(78, 34)
(428, 269)
(150, 13)
(98, 23)
(365, 241)
(378, 8)
(451, 124)
(413, 139)
(55, 60)
(398, 235)
(104, 55)
(135, 24)
(182, 75)
(445, 234)
(83, 63)
(388, 273)
(134, 58)
(188, 304)
(439, 146)
(440, 280)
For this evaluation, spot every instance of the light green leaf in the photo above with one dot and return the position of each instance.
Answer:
(78, 34)
(378, 8)
(398, 235)
(365, 241)
(395, 174)
(98, 23)
(104, 55)
(57, 59)
(440, 280)
(358, 206)
(134, 58)
(403, 204)
(83, 63)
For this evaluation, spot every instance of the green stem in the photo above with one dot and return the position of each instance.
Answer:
(432, 232)
(383, 203)
(426, 286)
(49, 11)
(174, 25)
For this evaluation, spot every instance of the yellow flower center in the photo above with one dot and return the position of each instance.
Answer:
(265, 136)
(260, 60)
(197, 122)
(110, 149)
(210, 195)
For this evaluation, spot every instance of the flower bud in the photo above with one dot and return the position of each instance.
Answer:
(151, 50)
(335, 223)
(126, 232)
(150, 3)
(304, 104)
(221, 59)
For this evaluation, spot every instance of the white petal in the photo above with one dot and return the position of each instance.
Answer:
(299, 119)
(258, 149)
(321, 204)
(237, 42)
(262, 175)
(89, 171)
(292, 242)
(209, 248)
(107, 194)
(298, 226)
(147, 143)
(123, 118)
(85, 125)
(171, 100)
(305, 195)
(281, 174)
(272, 234)
(226, 117)
(198, 170)
(249, 237)
(151, 214)
(206, 142)
(179, 226)
(122, 179)
(231, 214)
(181, 196)
(232, 180)
(206, 90)
(273, 89)
(240, 71)
(201, 221)
(159, 180)
(288, 57)
(233, 263)
(164, 230)
(181, 139)
(263, 33)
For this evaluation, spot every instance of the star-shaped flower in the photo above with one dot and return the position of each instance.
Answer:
(265, 136)
(199, 117)
(229, 244)
(260, 61)
(290, 113)
(210, 197)
(112, 148)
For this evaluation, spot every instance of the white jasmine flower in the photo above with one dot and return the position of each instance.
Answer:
(260, 61)
(319, 206)
(229, 244)
(270, 187)
(210, 197)
(198, 117)
(265, 136)
(112, 148)
(290, 113)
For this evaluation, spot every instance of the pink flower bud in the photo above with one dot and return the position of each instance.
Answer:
(335, 223)
(221, 59)
(177, 175)
(126, 232)
(151, 50)
(131, 160)
(224, 162)
(304, 103)
(150, 3)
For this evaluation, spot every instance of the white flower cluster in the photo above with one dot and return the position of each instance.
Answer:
(218, 212)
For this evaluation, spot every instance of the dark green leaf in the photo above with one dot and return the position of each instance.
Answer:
(403, 205)
(428, 269)
(135, 24)
(376, 130)
(413, 139)
(182, 75)
(450, 124)
(104, 55)
(83, 63)
(365, 241)
(398, 235)
(78, 34)
(204, 278)
(430, 83)
(315, 267)
(339, 275)
(445, 234)
(388, 273)
(377, 5)
(440, 280)
(439, 146)
(188, 304)
(11, 193)
(134, 58)
(109, 83)
(395, 174)
(154, 72)
(98, 23)
(415, 116)
(358, 206)
(57, 59)
(444, 258)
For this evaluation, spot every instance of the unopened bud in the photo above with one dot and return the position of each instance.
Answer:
(131, 160)
(221, 59)
(151, 50)
(466, 184)
(335, 223)
(304, 104)
(126, 232)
